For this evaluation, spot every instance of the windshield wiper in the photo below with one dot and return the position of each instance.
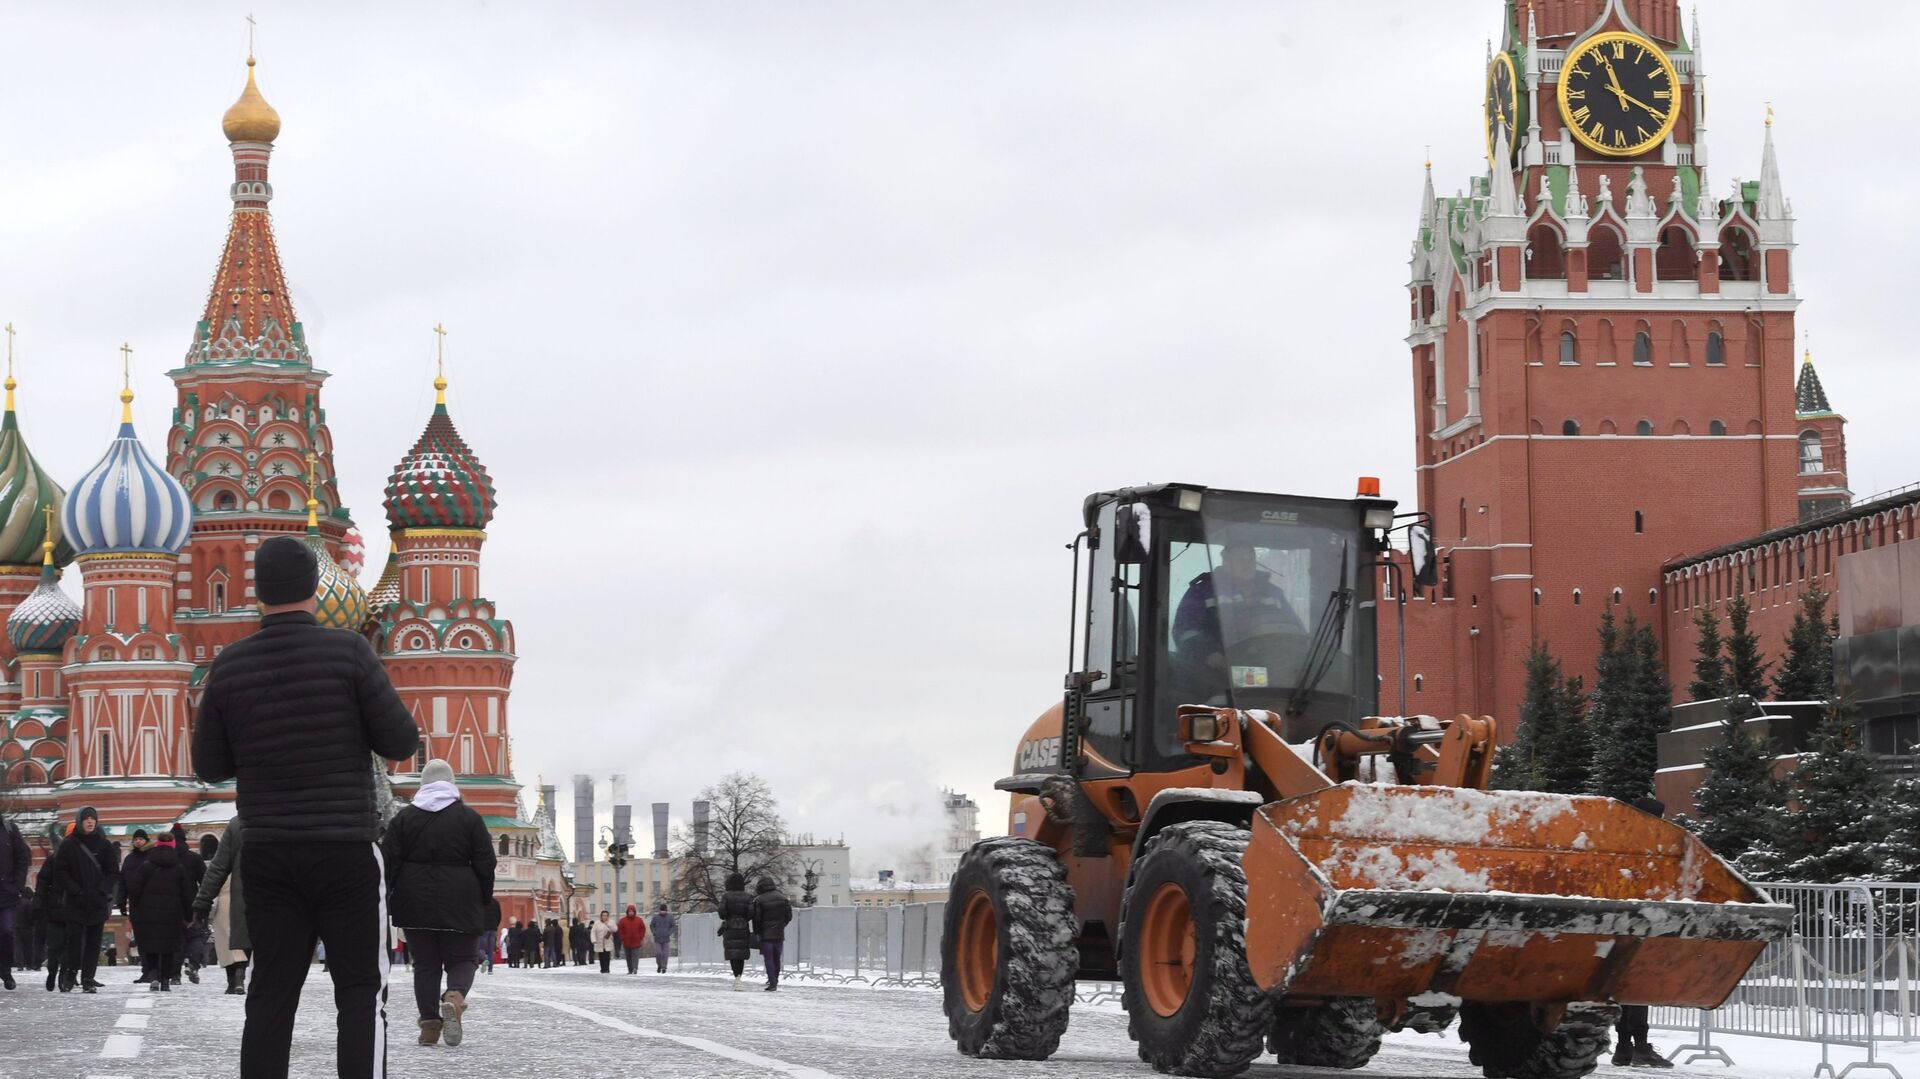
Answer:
(1327, 635)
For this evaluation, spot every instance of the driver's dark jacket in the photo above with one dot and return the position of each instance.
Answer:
(1198, 619)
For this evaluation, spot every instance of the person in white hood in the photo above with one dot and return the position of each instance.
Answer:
(440, 872)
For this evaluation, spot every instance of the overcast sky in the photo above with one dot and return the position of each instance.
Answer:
(794, 333)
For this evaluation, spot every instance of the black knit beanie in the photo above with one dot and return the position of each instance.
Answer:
(285, 571)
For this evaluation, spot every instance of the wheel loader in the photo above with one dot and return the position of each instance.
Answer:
(1216, 817)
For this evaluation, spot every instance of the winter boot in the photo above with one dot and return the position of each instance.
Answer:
(193, 973)
(1645, 1057)
(53, 975)
(66, 983)
(453, 1005)
(1622, 1053)
(153, 987)
(737, 987)
(166, 985)
(7, 980)
(429, 1032)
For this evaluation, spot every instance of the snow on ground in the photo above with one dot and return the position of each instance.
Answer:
(577, 1023)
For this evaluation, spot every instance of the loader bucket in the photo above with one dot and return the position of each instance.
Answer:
(1395, 892)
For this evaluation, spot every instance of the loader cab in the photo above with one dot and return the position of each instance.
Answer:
(1225, 598)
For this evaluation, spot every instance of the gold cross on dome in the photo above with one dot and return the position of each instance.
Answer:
(126, 364)
(251, 27)
(9, 350)
(440, 348)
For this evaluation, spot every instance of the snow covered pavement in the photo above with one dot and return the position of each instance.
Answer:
(580, 1024)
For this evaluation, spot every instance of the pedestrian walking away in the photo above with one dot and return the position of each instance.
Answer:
(555, 948)
(736, 926)
(295, 713)
(15, 858)
(602, 936)
(196, 870)
(632, 933)
(139, 848)
(49, 896)
(1632, 1046)
(771, 913)
(662, 929)
(579, 942)
(514, 942)
(87, 869)
(440, 872)
(490, 939)
(220, 893)
(160, 893)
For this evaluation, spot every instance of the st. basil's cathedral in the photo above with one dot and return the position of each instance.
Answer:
(98, 702)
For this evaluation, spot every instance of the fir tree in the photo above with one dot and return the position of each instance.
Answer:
(1806, 674)
(1603, 708)
(1517, 766)
(1898, 857)
(1842, 826)
(1564, 764)
(1709, 664)
(1746, 661)
(1626, 752)
(1742, 804)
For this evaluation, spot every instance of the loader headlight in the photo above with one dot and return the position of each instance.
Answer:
(1204, 728)
(1377, 518)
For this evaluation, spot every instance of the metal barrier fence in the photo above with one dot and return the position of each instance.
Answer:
(879, 946)
(1844, 978)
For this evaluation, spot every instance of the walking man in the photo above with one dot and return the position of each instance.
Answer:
(440, 867)
(632, 933)
(88, 868)
(293, 712)
(221, 894)
(1632, 1046)
(663, 926)
(15, 857)
(771, 913)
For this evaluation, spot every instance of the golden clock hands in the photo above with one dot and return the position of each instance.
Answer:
(1613, 81)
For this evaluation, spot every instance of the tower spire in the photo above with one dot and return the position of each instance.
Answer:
(10, 382)
(1506, 199)
(313, 500)
(126, 382)
(1772, 203)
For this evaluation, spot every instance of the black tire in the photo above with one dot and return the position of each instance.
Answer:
(1035, 957)
(1221, 1026)
(1506, 1043)
(1343, 1033)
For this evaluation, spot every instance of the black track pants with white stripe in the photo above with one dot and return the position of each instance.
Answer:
(297, 894)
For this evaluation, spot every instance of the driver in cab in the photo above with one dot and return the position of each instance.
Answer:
(1233, 602)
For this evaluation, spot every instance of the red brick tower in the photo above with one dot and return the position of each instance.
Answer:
(1822, 446)
(248, 412)
(449, 653)
(1602, 351)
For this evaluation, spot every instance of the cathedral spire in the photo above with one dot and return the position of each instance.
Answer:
(1809, 397)
(249, 315)
(1772, 203)
(1506, 199)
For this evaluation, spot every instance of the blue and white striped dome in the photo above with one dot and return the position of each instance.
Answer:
(127, 503)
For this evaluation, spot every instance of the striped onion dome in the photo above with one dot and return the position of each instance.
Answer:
(127, 503)
(440, 483)
(342, 602)
(26, 493)
(48, 616)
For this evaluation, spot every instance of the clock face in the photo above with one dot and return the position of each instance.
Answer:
(1503, 104)
(1619, 94)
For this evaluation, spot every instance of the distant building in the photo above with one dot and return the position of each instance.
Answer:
(886, 890)
(963, 831)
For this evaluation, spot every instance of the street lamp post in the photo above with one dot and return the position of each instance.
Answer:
(616, 851)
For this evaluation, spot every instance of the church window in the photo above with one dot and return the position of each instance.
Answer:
(1716, 428)
(1419, 683)
(1576, 597)
(219, 602)
(503, 845)
(1571, 427)
(1606, 258)
(106, 753)
(1653, 597)
(1639, 522)
(1545, 262)
(1643, 349)
(1716, 349)
(1463, 518)
(1618, 596)
(113, 594)
(1812, 453)
(1569, 349)
(1736, 254)
(1643, 428)
(466, 755)
(1536, 597)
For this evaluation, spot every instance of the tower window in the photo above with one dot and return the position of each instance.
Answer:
(106, 753)
(1716, 350)
(1576, 597)
(1618, 595)
(1643, 349)
(225, 500)
(1419, 683)
(1716, 428)
(1639, 522)
(1812, 453)
(1571, 427)
(219, 601)
(1536, 597)
(503, 845)
(1569, 349)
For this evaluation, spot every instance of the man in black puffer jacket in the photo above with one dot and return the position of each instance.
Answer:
(294, 712)
(87, 868)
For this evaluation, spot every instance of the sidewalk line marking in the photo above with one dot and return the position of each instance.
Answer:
(139, 1002)
(131, 1021)
(122, 1046)
(739, 1056)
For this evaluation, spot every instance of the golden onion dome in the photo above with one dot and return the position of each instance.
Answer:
(251, 119)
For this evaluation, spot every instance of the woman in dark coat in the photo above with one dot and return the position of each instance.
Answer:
(736, 925)
(771, 913)
(48, 897)
(160, 902)
(440, 869)
(88, 869)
